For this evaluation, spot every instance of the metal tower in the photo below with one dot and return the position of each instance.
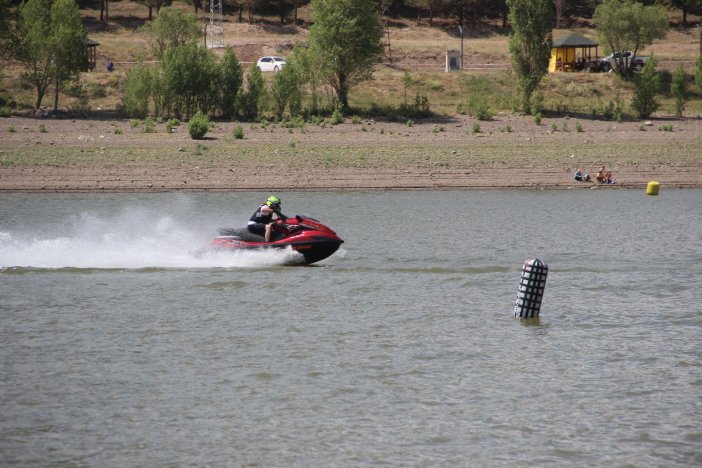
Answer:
(215, 31)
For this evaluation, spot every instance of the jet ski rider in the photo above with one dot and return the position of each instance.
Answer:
(260, 222)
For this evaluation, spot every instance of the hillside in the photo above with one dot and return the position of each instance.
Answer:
(413, 47)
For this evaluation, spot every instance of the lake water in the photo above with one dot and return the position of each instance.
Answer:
(119, 347)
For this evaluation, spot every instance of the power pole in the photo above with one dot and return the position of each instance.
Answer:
(460, 28)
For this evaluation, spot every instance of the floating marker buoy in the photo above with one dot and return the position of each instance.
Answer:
(652, 188)
(531, 289)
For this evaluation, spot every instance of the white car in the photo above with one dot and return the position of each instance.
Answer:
(270, 63)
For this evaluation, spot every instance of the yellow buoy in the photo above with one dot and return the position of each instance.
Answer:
(652, 188)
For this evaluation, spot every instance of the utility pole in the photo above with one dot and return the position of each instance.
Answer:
(460, 28)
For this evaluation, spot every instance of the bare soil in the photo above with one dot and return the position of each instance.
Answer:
(71, 155)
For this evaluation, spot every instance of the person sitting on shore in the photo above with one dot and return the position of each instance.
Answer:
(580, 177)
(601, 175)
(608, 178)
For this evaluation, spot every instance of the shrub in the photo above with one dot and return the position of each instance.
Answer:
(238, 132)
(554, 128)
(578, 127)
(149, 126)
(198, 126)
(537, 102)
(5, 111)
(134, 123)
(355, 120)
(410, 123)
(118, 131)
(698, 73)
(336, 117)
(42, 128)
(537, 118)
(11, 129)
(677, 89)
(170, 124)
(476, 106)
(476, 127)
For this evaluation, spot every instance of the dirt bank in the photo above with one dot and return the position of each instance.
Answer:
(75, 155)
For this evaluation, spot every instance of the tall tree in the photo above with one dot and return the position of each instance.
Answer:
(345, 43)
(52, 43)
(430, 6)
(279, 8)
(530, 43)
(9, 36)
(560, 7)
(172, 28)
(687, 6)
(646, 87)
(68, 42)
(231, 79)
(624, 25)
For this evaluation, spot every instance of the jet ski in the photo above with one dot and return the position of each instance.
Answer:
(314, 240)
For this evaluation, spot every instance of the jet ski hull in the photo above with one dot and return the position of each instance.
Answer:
(307, 236)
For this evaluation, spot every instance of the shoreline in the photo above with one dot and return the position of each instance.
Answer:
(508, 153)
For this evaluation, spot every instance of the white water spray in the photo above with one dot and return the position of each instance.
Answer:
(134, 239)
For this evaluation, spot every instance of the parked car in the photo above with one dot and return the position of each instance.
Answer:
(608, 63)
(270, 63)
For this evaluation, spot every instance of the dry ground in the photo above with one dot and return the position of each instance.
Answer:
(508, 152)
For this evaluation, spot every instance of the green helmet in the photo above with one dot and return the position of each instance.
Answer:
(273, 201)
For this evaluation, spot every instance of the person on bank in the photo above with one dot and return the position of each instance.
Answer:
(261, 221)
(580, 177)
(601, 175)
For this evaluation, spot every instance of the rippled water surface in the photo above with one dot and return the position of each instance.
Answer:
(119, 347)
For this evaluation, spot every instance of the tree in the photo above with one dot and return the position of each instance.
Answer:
(68, 42)
(151, 4)
(251, 100)
(698, 73)
(560, 7)
(530, 43)
(172, 28)
(231, 79)
(52, 44)
(626, 25)
(687, 6)
(646, 86)
(138, 88)
(431, 7)
(9, 36)
(286, 92)
(345, 43)
(190, 78)
(279, 8)
(677, 89)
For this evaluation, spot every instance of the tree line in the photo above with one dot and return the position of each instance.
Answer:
(345, 42)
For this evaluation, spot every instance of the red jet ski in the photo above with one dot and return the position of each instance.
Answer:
(314, 240)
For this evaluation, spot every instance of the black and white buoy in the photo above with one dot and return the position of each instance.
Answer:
(531, 289)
